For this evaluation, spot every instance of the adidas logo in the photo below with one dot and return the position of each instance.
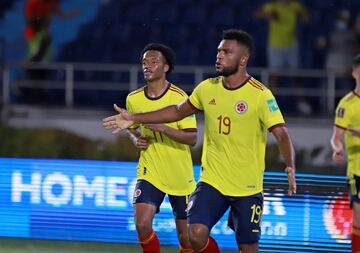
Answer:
(212, 102)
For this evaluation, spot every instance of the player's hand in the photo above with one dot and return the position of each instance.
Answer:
(120, 121)
(142, 143)
(156, 127)
(338, 156)
(291, 179)
(355, 132)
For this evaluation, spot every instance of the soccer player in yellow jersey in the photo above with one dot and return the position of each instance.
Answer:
(238, 111)
(165, 165)
(347, 127)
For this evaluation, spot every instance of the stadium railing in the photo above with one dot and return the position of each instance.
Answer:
(318, 84)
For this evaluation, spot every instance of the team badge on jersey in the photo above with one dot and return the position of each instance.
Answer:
(341, 112)
(241, 107)
(137, 193)
(273, 106)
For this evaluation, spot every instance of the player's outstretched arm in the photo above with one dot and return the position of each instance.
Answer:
(337, 145)
(119, 121)
(186, 136)
(167, 114)
(287, 150)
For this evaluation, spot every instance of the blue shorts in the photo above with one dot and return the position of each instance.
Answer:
(354, 189)
(147, 193)
(207, 205)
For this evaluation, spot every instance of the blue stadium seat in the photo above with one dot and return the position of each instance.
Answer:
(194, 14)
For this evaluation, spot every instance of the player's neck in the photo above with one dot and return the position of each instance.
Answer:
(157, 88)
(357, 88)
(235, 80)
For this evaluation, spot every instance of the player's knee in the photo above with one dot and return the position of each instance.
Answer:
(143, 225)
(198, 235)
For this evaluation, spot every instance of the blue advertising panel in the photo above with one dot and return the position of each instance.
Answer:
(92, 201)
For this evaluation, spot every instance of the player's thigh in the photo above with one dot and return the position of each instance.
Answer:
(146, 193)
(354, 184)
(206, 205)
(244, 218)
(179, 206)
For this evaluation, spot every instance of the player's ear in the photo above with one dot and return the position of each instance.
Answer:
(166, 68)
(244, 59)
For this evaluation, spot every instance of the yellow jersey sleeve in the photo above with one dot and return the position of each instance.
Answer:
(187, 123)
(195, 97)
(343, 115)
(130, 109)
(269, 112)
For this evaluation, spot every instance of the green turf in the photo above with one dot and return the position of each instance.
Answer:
(16, 245)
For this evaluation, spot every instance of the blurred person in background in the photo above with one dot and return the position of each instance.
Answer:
(283, 44)
(165, 165)
(239, 111)
(347, 128)
(340, 44)
(38, 15)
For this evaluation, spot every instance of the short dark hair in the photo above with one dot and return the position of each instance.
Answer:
(166, 51)
(240, 36)
(356, 61)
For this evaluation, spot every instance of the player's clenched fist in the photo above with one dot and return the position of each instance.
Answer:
(142, 143)
(118, 122)
(338, 156)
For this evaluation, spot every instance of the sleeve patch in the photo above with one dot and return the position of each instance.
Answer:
(341, 112)
(272, 105)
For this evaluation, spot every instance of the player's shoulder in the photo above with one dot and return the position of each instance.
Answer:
(257, 85)
(214, 80)
(348, 98)
(136, 91)
(209, 82)
(175, 90)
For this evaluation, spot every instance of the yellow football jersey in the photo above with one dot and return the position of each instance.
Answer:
(236, 125)
(282, 31)
(348, 116)
(165, 163)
